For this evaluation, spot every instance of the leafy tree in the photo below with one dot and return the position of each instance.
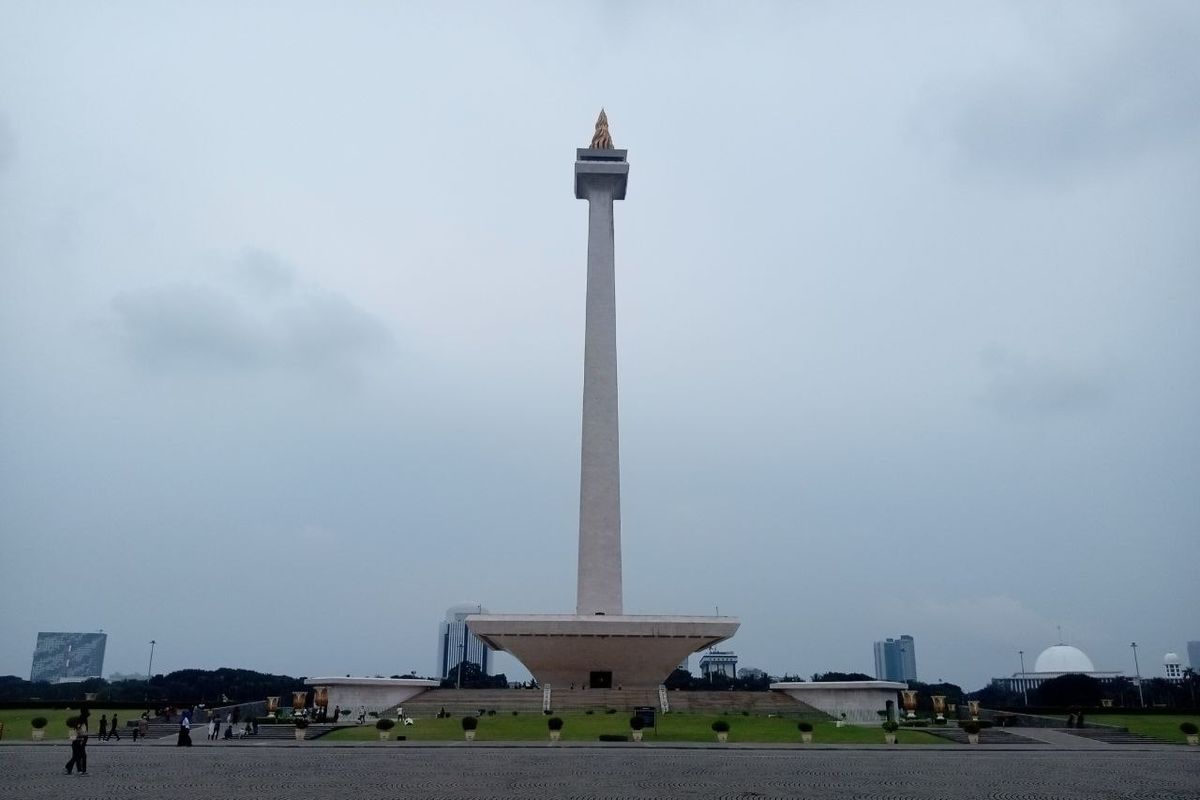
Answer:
(830, 677)
(473, 677)
(996, 695)
(1069, 690)
(679, 679)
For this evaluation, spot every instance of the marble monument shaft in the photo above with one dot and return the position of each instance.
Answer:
(600, 176)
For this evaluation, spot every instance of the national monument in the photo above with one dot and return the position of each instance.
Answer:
(600, 646)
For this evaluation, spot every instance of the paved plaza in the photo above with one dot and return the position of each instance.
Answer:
(314, 771)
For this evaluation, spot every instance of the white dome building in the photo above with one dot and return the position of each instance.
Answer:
(1173, 667)
(1056, 660)
(1063, 659)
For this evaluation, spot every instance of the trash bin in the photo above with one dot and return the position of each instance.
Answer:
(645, 714)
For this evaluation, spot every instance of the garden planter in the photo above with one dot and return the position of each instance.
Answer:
(470, 735)
(555, 735)
(40, 733)
(890, 738)
(1193, 739)
(385, 735)
(300, 734)
(722, 737)
(973, 738)
(637, 735)
(806, 738)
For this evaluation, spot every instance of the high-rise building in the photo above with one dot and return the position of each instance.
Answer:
(457, 644)
(68, 657)
(896, 659)
(1194, 655)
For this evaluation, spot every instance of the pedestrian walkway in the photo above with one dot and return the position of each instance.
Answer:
(1066, 740)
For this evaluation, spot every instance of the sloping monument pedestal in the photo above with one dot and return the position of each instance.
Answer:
(600, 651)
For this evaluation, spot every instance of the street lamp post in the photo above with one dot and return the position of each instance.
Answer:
(1138, 672)
(1024, 694)
(149, 672)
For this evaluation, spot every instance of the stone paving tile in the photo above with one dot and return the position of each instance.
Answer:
(367, 773)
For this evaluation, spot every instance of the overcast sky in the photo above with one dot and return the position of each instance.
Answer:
(291, 325)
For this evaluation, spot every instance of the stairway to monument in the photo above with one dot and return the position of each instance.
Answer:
(470, 701)
(1112, 735)
(600, 700)
(754, 702)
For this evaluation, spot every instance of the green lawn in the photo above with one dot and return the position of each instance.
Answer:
(16, 721)
(1160, 726)
(580, 727)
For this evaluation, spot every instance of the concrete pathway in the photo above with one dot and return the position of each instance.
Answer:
(1065, 741)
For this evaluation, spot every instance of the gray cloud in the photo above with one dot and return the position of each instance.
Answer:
(1103, 103)
(265, 273)
(1021, 387)
(265, 320)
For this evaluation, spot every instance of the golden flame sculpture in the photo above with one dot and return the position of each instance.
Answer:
(601, 139)
(299, 700)
(321, 696)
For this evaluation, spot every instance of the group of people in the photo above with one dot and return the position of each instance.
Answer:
(234, 727)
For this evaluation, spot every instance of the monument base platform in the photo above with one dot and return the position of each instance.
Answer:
(856, 702)
(376, 694)
(601, 652)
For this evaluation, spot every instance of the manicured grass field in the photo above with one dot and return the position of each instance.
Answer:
(580, 727)
(1165, 727)
(16, 721)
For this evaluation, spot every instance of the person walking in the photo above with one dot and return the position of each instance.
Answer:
(143, 726)
(103, 735)
(113, 731)
(185, 732)
(78, 747)
(212, 728)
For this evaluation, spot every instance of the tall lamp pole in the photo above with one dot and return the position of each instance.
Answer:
(1024, 694)
(1138, 671)
(149, 672)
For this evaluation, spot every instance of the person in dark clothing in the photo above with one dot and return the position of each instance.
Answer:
(185, 732)
(103, 727)
(78, 747)
(112, 730)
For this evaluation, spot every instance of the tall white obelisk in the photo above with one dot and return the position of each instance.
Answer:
(599, 646)
(601, 173)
